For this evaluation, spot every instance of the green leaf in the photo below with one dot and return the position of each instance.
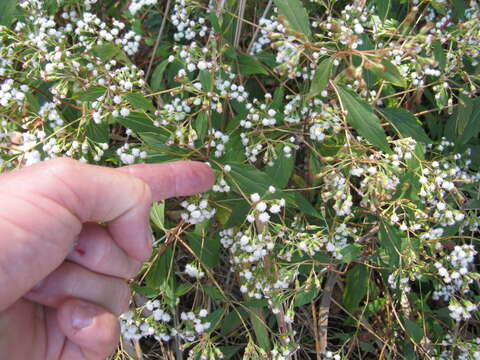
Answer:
(207, 249)
(182, 289)
(459, 8)
(213, 292)
(472, 126)
(233, 320)
(295, 14)
(248, 179)
(382, 7)
(250, 66)
(140, 123)
(200, 124)
(91, 94)
(361, 118)
(157, 76)
(229, 351)
(321, 77)
(260, 328)
(206, 79)
(8, 11)
(304, 296)
(439, 54)
(413, 330)
(214, 319)
(356, 286)
(406, 124)
(109, 51)
(98, 132)
(139, 101)
(351, 252)
(160, 273)
(390, 245)
(144, 290)
(389, 73)
(157, 214)
(282, 169)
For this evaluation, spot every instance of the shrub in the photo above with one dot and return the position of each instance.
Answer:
(344, 136)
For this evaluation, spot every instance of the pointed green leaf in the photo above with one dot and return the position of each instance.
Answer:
(157, 214)
(206, 79)
(321, 77)
(406, 124)
(8, 10)
(356, 287)
(295, 14)
(157, 76)
(390, 73)
(361, 118)
(91, 94)
(140, 102)
(413, 330)
(282, 169)
(382, 7)
(250, 66)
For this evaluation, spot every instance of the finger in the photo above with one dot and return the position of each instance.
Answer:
(44, 206)
(96, 250)
(92, 331)
(74, 281)
(179, 178)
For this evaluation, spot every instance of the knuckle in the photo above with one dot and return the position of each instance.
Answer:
(60, 166)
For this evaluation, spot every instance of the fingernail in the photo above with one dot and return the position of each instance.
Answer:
(83, 316)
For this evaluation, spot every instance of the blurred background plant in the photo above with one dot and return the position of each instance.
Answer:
(344, 135)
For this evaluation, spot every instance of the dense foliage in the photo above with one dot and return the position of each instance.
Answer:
(344, 136)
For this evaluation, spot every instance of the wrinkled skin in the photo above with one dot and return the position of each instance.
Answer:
(62, 274)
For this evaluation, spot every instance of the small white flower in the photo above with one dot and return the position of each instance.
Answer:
(255, 197)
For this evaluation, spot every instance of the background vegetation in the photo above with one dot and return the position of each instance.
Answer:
(344, 136)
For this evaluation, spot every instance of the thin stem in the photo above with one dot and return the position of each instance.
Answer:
(159, 36)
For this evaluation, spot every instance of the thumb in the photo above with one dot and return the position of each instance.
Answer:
(92, 332)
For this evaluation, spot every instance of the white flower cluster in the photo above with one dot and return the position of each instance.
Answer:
(130, 155)
(9, 94)
(326, 120)
(455, 273)
(458, 349)
(262, 211)
(49, 112)
(187, 27)
(221, 186)
(218, 142)
(262, 115)
(331, 355)
(197, 212)
(137, 5)
(233, 91)
(197, 321)
(156, 324)
(462, 310)
(176, 110)
(337, 188)
(396, 281)
(194, 271)
(268, 27)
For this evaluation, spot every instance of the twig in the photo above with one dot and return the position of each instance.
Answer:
(159, 36)
(238, 31)
(325, 310)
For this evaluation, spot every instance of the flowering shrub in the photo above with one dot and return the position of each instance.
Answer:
(344, 135)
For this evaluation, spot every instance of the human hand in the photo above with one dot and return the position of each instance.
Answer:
(56, 303)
